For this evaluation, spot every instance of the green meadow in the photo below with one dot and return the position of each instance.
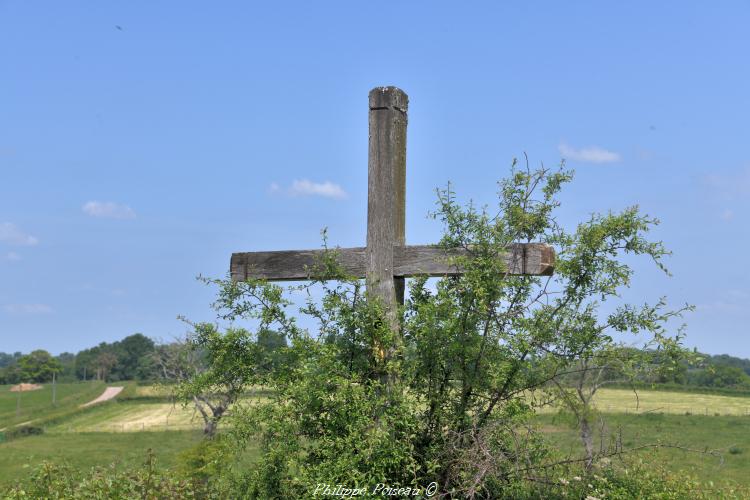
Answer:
(707, 436)
(85, 450)
(711, 448)
(19, 407)
(657, 401)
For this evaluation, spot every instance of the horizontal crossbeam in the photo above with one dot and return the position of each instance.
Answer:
(536, 259)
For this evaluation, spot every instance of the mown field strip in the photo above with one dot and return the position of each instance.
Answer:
(626, 401)
(132, 417)
(135, 416)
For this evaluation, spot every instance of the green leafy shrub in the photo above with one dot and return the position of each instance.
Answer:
(203, 465)
(23, 431)
(628, 479)
(54, 481)
(442, 398)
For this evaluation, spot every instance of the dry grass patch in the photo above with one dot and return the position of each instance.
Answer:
(26, 387)
(133, 417)
(678, 403)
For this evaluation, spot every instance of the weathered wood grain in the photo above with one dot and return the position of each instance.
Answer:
(295, 265)
(400, 120)
(385, 198)
(292, 265)
(536, 259)
(386, 170)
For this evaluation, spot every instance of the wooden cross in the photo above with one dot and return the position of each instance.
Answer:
(386, 260)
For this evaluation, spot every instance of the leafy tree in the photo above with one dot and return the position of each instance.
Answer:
(726, 359)
(37, 366)
(86, 361)
(721, 375)
(213, 370)
(131, 353)
(8, 359)
(104, 362)
(455, 410)
(232, 366)
(9, 371)
(177, 361)
(127, 359)
(67, 362)
(10, 374)
(574, 389)
(270, 344)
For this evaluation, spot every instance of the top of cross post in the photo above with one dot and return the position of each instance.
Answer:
(389, 98)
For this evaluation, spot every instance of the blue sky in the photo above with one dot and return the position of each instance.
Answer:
(142, 142)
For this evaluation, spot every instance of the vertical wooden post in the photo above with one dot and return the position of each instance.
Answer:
(386, 203)
(400, 122)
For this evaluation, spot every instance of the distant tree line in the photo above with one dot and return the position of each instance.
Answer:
(136, 357)
(718, 371)
(128, 359)
(699, 371)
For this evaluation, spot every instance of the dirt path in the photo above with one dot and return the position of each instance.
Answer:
(16, 425)
(108, 394)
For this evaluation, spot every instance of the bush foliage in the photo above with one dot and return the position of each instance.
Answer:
(443, 401)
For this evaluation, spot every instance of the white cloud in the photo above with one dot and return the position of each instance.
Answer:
(327, 189)
(589, 154)
(108, 209)
(27, 309)
(11, 235)
(305, 187)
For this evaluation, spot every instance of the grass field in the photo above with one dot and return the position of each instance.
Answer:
(728, 435)
(35, 405)
(150, 412)
(113, 431)
(153, 391)
(680, 403)
(20, 456)
(131, 416)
